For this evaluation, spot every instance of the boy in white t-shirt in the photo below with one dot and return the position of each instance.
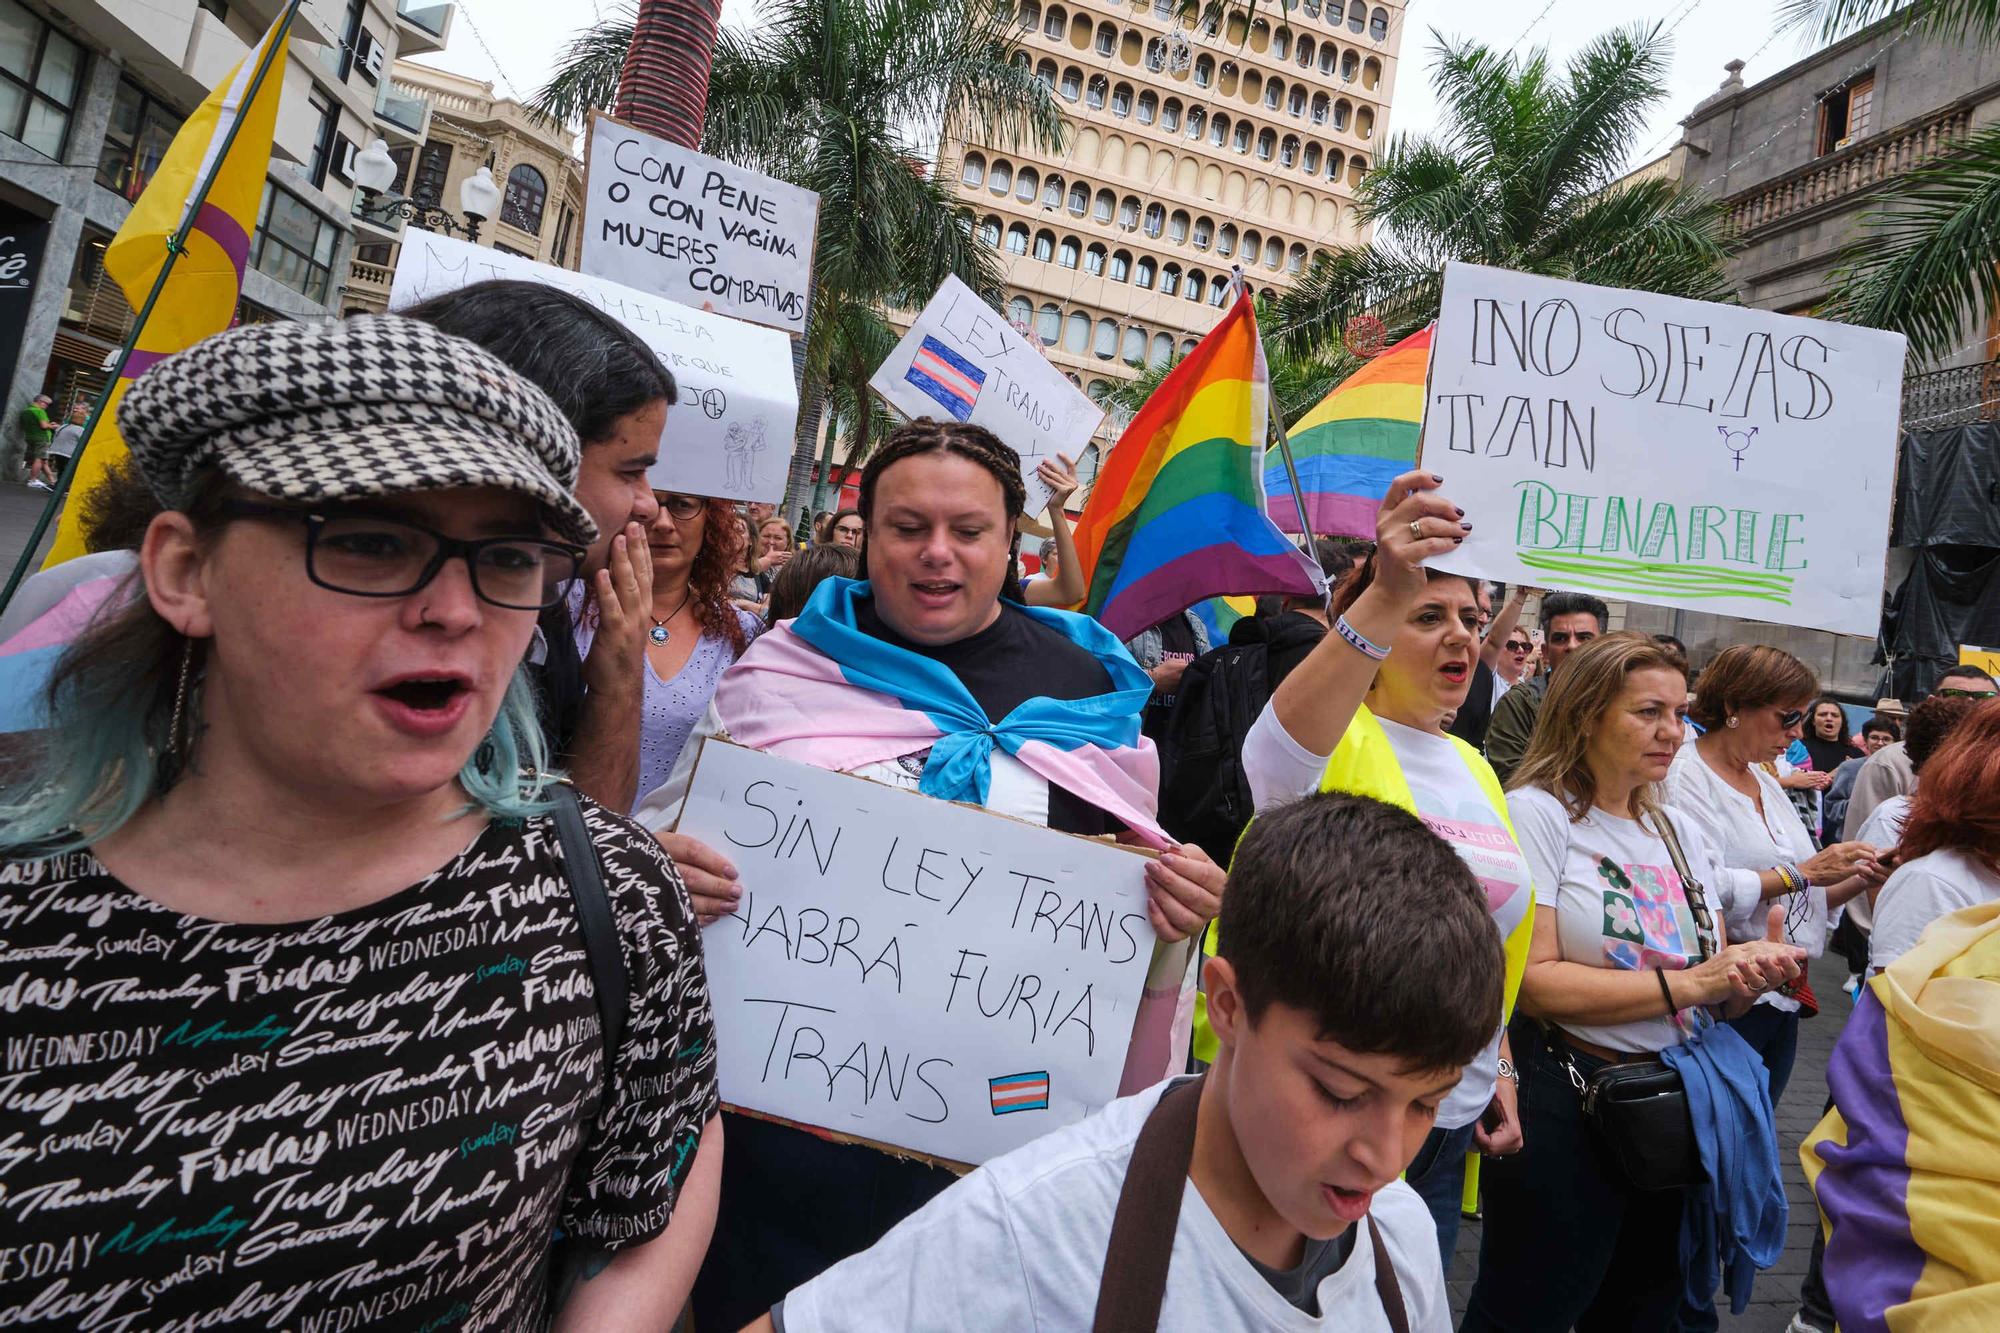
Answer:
(1356, 972)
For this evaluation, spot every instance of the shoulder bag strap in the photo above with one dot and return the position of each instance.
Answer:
(1690, 886)
(1149, 1210)
(593, 914)
(1387, 1288)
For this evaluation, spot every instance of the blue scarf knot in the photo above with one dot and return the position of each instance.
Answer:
(960, 766)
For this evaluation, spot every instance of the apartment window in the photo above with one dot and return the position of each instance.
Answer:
(1204, 233)
(1156, 220)
(1350, 65)
(1225, 241)
(989, 231)
(1144, 275)
(1845, 114)
(1069, 253)
(1020, 312)
(1281, 46)
(1357, 16)
(1193, 290)
(1099, 86)
(1297, 105)
(527, 193)
(1052, 192)
(1053, 28)
(1177, 229)
(1128, 213)
(1204, 72)
(1106, 345)
(1048, 325)
(1241, 141)
(1218, 291)
(1079, 199)
(1312, 159)
(1076, 333)
(1218, 130)
(1102, 206)
(1121, 101)
(1162, 351)
(1274, 93)
(1093, 261)
(1017, 239)
(1045, 246)
(1107, 40)
(1312, 9)
(973, 172)
(1149, 108)
(1378, 25)
(1134, 350)
(1329, 56)
(1288, 152)
(1030, 16)
(1295, 260)
(400, 155)
(41, 74)
(1156, 55)
(294, 244)
(1267, 143)
(1170, 115)
(329, 125)
(1121, 267)
(1341, 111)
(1072, 83)
(141, 128)
(1026, 182)
(1170, 280)
(1046, 72)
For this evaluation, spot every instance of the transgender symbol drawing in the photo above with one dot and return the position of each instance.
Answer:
(1736, 442)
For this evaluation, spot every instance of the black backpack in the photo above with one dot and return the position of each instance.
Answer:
(1204, 796)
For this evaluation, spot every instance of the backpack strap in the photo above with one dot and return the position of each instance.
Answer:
(593, 913)
(1387, 1289)
(1148, 1214)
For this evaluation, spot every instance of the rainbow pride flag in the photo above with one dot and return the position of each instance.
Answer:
(1904, 1165)
(1177, 514)
(1358, 440)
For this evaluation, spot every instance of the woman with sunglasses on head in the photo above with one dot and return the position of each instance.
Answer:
(296, 797)
(921, 676)
(1627, 955)
(1366, 712)
(1751, 703)
(696, 632)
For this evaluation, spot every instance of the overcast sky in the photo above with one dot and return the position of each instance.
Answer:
(525, 36)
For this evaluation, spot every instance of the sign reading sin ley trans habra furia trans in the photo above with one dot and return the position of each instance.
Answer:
(912, 972)
(695, 229)
(1657, 449)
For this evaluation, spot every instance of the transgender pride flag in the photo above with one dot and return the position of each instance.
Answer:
(951, 381)
(1019, 1092)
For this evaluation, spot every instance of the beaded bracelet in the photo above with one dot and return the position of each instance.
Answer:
(1358, 641)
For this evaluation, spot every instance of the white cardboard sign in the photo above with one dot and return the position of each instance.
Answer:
(960, 359)
(696, 229)
(912, 972)
(730, 435)
(1657, 449)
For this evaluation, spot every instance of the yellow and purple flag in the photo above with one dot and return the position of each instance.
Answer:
(1905, 1166)
(207, 280)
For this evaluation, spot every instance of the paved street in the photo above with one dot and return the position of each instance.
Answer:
(20, 506)
(1777, 1293)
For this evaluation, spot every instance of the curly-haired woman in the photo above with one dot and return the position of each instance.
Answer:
(696, 631)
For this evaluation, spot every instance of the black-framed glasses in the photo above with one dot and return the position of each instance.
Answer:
(372, 555)
(680, 507)
(1790, 717)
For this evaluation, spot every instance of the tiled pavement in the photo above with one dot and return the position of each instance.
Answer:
(1777, 1292)
(20, 506)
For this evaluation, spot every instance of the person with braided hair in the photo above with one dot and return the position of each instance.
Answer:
(1035, 714)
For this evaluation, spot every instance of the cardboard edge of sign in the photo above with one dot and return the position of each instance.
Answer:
(856, 1140)
(812, 258)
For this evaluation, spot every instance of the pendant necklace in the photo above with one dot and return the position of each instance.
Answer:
(658, 634)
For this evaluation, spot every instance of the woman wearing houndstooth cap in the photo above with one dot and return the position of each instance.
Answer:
(299, 910)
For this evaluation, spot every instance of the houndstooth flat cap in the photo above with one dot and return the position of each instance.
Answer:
(366, 406)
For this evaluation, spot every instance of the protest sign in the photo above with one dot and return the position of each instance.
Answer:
(730, 435)
(1696, 455)
(919, 974)
(696, 229)
(1986, 659)
(962, 360)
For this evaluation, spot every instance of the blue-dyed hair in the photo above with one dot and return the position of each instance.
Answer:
(110, 709)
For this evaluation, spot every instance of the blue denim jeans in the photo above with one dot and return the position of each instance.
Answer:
(1437, 1174)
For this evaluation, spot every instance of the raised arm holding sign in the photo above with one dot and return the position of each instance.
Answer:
(1665, 450)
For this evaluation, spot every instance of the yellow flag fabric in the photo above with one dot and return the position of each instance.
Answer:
(207, 280)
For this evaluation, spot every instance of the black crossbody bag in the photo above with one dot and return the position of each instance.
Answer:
(1639, 1112)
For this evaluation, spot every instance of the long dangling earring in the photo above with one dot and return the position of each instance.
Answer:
(180, 733)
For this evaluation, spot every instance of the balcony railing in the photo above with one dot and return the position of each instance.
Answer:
(370, 275)
(404, 108)
(1852, 169)
(1952, 397)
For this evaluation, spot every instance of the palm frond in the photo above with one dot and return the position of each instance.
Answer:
(1828, 20)
(587, 71)
(1926, 265)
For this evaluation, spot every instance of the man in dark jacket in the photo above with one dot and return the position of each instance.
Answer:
(1569, 620)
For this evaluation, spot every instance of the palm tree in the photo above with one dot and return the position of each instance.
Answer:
(1523, 175)
(843, 97)
(1928, 264)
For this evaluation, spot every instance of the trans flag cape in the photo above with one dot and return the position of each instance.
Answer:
(1906, 1166)
(29, 657)
(1176, 514)
(1358, 440)
(820, 691)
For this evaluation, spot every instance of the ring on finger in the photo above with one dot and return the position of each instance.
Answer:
(1416, 530)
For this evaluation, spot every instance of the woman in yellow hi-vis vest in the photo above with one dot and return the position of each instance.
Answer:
(1365, 713)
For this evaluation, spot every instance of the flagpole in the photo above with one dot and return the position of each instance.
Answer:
(176, 244)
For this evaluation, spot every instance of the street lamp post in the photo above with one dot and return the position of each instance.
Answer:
(375, 172)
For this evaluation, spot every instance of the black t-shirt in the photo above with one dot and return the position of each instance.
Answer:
(1013, 660)
(372, 1120)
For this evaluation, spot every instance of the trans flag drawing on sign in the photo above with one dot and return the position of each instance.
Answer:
(946, 377)
(1020, 1092)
